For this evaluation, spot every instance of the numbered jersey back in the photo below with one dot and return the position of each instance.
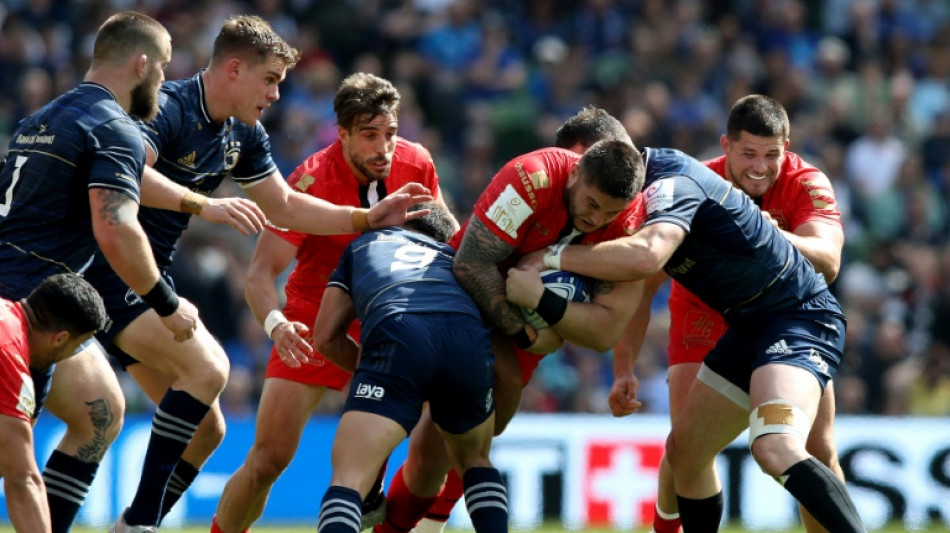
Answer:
(396, 270)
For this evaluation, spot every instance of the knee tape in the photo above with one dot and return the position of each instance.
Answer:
(779, 416)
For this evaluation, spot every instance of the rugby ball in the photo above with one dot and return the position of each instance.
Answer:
(573, 287)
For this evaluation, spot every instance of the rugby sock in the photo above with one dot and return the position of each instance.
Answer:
(173, 425)
(339, 511)
(215, 528)
(486, 499)
(403, 508)
(439, 512)
(184, 474)
(816, 487)
(700, 516)
(67, 482)
(665, 522)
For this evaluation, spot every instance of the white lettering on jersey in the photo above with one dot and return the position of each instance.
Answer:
(659, 196)
(26, 403)
(370, 392)
(509, 211)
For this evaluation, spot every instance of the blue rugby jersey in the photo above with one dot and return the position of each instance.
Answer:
(395, 270)
(734, 259)
(83, 139)
(198, 154)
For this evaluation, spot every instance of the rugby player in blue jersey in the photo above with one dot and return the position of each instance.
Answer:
(783, 343)
(423, 339)
(207, 129)
(70, 183)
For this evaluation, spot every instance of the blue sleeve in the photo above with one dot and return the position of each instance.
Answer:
(343, 274)
(118, 158)
(166, 125)
(256, 162)
(673, 199)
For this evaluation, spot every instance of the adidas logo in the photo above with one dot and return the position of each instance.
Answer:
(188, 160)
(780, 347)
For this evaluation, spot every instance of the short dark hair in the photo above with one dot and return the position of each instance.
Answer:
(251, 38)
(616, 168)
(588, 126)
(362, 97)
(128, 32)
(436, 224)
(67, 302)
(758, 115)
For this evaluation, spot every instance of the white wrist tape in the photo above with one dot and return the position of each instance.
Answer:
(274, 319)
(552, 257)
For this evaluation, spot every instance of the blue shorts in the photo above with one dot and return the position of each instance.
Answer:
(43, 379)
(123, 306)
(445, 358)
(810, 336)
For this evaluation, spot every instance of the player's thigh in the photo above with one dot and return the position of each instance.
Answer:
(707, 423)
(282, 414)
(470, 449)
(821, 438)
(85, 391)
(681, 378)
(363, 441)
(508, 381)
(148, 341)
(779, 381)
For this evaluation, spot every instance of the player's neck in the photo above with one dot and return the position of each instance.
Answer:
(110, 80)
(218, 109)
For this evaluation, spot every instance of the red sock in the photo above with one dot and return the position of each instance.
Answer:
(452, 491)
(403, 508)
(665, 522)
(216, 529)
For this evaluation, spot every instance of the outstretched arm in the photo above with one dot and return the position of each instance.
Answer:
(638, 256)
(301, 212)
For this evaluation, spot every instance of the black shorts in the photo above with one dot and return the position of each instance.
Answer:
(443, 358)
(123, 306)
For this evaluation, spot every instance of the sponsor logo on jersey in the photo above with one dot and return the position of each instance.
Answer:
(682, 268)
(304, 183)
(188, 160)
(780, 347)
(659, 196)
(489, 400)
(26, 401)
(529, 182)
(509, 211)
(370, 392)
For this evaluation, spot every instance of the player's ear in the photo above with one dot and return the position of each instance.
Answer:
(59, 338)
(233, 67)
(724, 142)
(141, 66)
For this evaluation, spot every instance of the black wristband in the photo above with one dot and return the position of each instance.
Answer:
(162, 298)
(551, 307)
(521, 338)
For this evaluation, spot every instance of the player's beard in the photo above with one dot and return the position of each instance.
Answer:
(365, 169)
(144, 103)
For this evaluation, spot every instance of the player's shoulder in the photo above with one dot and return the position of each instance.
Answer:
(322, 172)
(798, 172)
(717, 164)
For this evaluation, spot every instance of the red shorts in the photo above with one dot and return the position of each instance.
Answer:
(320, 371)
(693, 334)
(528, 362)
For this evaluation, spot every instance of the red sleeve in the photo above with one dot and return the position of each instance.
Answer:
(810, 198)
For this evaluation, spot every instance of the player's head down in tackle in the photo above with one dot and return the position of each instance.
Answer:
(64, 311)
(367, 109)
(605, 180)
(756, 138)
(141, 47)
(589, 125)
(436, 224)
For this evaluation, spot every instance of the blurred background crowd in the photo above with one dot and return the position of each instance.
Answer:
(866, 84)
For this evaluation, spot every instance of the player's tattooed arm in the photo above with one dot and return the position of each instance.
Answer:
(115, 207)
(476, 268)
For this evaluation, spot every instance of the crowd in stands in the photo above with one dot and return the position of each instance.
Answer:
(866, 84)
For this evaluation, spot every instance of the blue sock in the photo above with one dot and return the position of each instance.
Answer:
(173, 425)
(67, 482)
(486, 499)
(340, 511)
(182, 478)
